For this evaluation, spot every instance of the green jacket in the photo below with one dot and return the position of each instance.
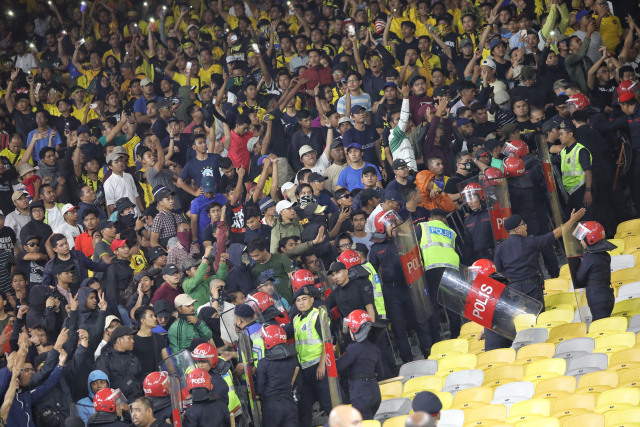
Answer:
(281, 230)
(197, 287)
(578, 64)
(181, 333)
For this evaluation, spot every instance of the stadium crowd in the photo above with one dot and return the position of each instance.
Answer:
(184, 180)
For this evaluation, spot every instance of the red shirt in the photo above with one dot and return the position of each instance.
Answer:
(166, 292)
(238, 151)
(315, 76)
(84, 243)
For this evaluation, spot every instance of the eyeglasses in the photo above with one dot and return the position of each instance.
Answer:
(345, 196)
(33, 244)
(345, 245)
(352, 81)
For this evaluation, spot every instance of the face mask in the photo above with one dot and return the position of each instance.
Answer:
(184, 237)
(128, 220)
(505, 107)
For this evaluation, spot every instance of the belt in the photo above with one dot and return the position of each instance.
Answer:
(277, 397)
(367, 376)
(535, 279)
(393, 283)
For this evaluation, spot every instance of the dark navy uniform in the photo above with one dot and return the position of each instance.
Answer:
(397, 299)
(206, 410)
(162, 409)
(362, 363)
(106, 419)
(594, 273)
(273, 385)
(220, 386)
(478, 224)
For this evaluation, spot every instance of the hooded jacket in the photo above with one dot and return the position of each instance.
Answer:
(85, 405)
(440, 201)
(117, 279)
(83, 265)
(87, 317)
(20, 413)
(281, 229)
(239, 275)
(123, 369)
(36, 228)
(39, 315)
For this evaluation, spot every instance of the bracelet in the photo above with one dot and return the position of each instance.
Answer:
(587, 189)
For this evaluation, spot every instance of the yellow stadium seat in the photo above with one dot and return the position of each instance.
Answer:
(625, 418)
(486, 415)
(472, 398)
(551, 318)
(584, 420)
(554, 388)
(528, 409)
(396, 421)
(458, 362)
(470, 330)
(573, 405)
(630, 227)
(637, 345)
(539, 370)
(625, 359)
(597, 382)
(532, 352)
(567, 331)
(445, 398)
(494, 377)
(539, 422)
(565, 298)
(524, 321)
(416, 385)
(607, 325)
(476, 346)
(620, 247)
(449, 348)
(626, 308)
(559, 284)
(629, 377)
(495, 358)
(391, 390)
(626, 275)
(564, 272)
(371, 423)
(615, 342)
(618, 399)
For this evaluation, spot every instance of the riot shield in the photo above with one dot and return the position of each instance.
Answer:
(404, 237)
(323, 281)
(332, 369)
(178, 366)
(244, 346)
(496, 194)
(572, 247)
(485, 301)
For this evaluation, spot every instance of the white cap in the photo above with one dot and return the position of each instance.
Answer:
(286, 186)
(305, 149)
(66, 208)
(282, 205)
(489, 63)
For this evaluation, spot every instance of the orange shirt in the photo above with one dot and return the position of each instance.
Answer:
(84, 243)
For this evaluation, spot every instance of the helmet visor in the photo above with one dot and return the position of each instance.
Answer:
(509, 149)
(471, 195)
(581, 231)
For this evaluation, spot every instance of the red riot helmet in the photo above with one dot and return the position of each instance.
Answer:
(350, 258)
(273, 335)
(513, 167)
(206, 351)
(156, 384)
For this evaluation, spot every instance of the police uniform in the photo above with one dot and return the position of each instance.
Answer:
(362, 363)
(273, 385)
(384, 258)
(575, 161)
(594, 273)
(309, 345)
(437, 251)
(478, 224)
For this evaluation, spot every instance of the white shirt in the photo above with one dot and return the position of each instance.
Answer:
(70, 232)
(26, 63)
(117, 187)
(54, 218)
(227, 327)
(16, 220)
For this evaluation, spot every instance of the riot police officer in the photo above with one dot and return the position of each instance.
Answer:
(206, 408)
(276, 378)
(478, 222)
(594, 272)
(362, 363)
(156, 388)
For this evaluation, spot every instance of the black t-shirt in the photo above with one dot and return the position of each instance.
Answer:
(33, 270)
(601, 95)
(25, 123)
(60, 123)
(209, 234)
(403, 46)
(148, 350)
(7, 242)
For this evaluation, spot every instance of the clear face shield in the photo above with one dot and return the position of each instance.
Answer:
(472, 197)
(509, 150)
(580, 231)
(391, 219)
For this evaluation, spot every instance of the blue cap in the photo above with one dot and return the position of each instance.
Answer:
(389, 84)
(392, 196)
(83, 129)
(261, 160)
(463, 121)
(354, 145)
(208, 184)
(496, 42)
(357, 108)
(581, 14)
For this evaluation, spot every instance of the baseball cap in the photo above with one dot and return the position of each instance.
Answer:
(496, 42)
(192, 26)
(581, 14)
(208, 184)
(266, 203)
(305, 149)
(252, 142)
(368, 194)
(397, 164)
(336, 266)
(512, 222)
(337, 143)
(313, 208)
(489, 63)
(357, 109)
(162, 308)
(527, 72)
(190, 262)
(389, 84)
(17, 194)
(392, 196)
(428, 402)
(344, 120)
(163, 103)
(282, 205)
(354, 145)
(31, 237)
(117, 243)
(465, 42)
(155, 252)
(61, 268)
(105, 223)
(549, 125)
(463, 121)
(67, 207)
(183, 299)
(316, 177)
(139, 276)
(114, 156)
(440, 91)
(121, 331)
(146, 81)
(110, 318)
(170, 269)
(160, 192)
(500, 97)
(508, 129)
(482, 152)
(83, 129)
